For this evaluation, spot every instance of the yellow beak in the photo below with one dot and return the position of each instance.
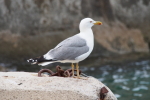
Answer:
(98, 23)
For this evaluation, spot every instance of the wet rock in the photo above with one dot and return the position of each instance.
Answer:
(26, 86)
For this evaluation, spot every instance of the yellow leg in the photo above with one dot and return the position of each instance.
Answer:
(78, 76)
(77, 67)
(72, 69)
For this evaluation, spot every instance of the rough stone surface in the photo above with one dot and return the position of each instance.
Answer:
(27, 86)
(119, 39)
(134, 14)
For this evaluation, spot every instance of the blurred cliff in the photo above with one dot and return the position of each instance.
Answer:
(29, 28)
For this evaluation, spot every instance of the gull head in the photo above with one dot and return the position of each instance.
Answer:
(88, 23)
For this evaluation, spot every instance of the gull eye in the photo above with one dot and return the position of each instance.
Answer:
(90, 21)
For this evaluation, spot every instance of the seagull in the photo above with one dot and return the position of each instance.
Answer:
(73, 49)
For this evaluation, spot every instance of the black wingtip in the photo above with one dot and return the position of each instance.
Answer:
(32, 60)
(38, 60)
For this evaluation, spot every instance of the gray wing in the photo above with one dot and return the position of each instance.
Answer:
(69, 49)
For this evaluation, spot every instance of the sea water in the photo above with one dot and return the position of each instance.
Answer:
(130, 81)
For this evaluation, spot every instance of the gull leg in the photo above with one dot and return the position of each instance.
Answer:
(78, 76)
(77, 67)
(72, 69)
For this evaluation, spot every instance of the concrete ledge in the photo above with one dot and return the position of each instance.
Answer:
(27, 86)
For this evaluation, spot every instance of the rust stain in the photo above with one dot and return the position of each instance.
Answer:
(103, 93)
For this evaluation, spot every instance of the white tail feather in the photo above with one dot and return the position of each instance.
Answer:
(45, 63)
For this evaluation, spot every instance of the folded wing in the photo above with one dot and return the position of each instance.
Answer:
(68, 49)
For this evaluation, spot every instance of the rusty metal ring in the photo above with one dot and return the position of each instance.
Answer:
(45, 70)
(60, 72)
(67, 73)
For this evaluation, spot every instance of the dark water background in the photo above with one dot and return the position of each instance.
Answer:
(130, 81)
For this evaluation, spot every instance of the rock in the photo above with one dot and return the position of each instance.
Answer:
(119, 39)
(27, 86)
(2, 69)
(134, 14)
